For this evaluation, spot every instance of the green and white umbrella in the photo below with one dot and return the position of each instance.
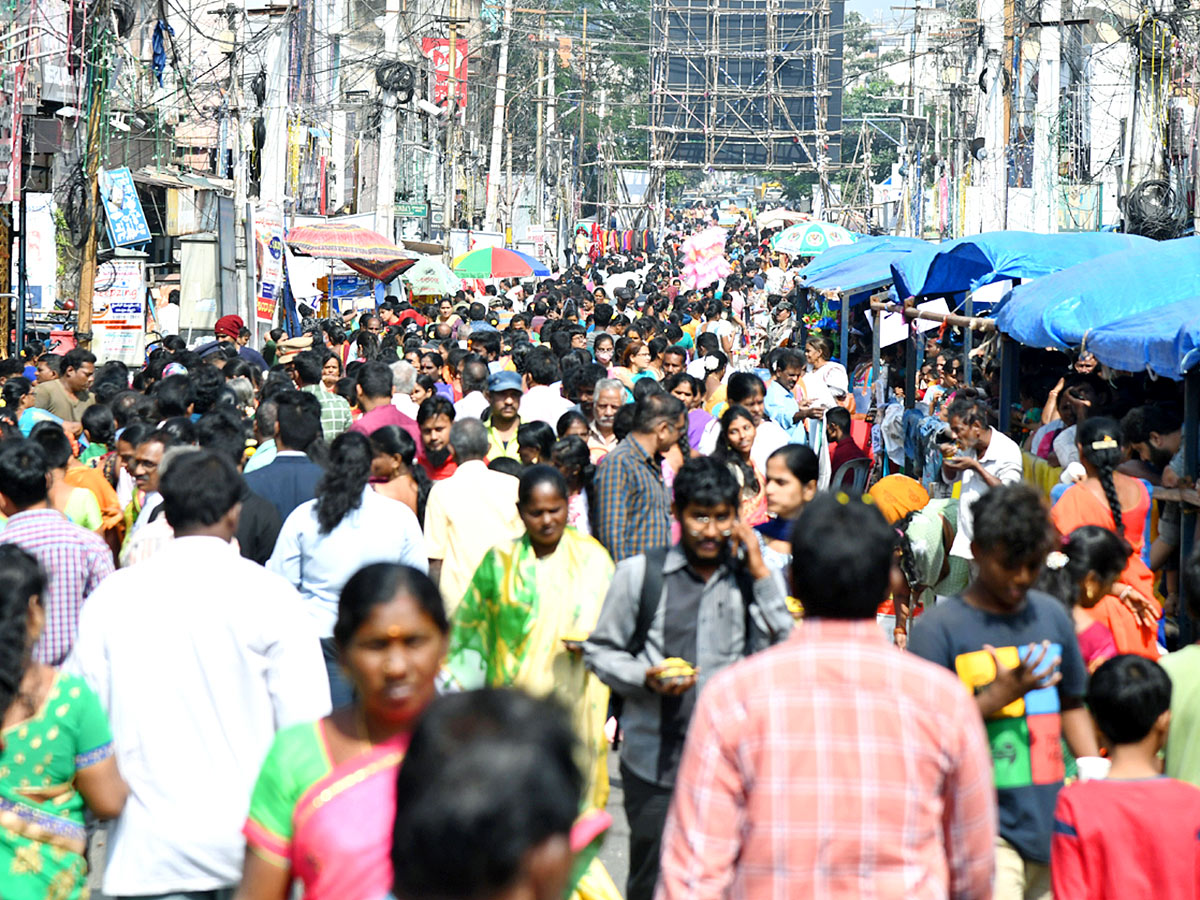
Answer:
(811, 238)
(430, 277)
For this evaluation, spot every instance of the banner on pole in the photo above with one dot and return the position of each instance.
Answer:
(438, 51)
(268, 236)
(127, 224)
(119, 311)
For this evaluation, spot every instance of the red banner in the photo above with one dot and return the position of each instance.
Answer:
(438, 51)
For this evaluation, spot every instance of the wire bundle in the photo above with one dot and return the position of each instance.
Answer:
(1155, 209)
(396, 77)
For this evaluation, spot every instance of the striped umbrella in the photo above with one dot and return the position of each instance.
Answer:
(363, 250)
(540, 269)
(811, 238)
(491, 262)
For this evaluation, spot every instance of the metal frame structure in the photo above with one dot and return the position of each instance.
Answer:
(746, 84)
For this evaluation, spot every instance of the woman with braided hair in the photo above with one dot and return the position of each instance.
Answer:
(56, 751)
(1119, 503)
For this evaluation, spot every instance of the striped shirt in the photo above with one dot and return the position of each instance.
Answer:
(75, 562)
(335, 411)
(633, 507)
(832, 765)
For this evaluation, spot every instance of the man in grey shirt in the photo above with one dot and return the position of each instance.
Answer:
(711, 600)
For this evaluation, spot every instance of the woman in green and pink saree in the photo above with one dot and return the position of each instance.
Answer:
(323, 807)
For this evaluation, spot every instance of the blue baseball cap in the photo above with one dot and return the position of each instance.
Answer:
(504, 381)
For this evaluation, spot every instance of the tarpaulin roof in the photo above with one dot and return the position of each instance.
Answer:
(835, 256)
(1060, 309)
(970, 262)
(1165, 340)
(856, 265)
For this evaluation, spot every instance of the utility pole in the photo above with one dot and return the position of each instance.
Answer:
(452, 112)
(1045, 155)
(539, 181)
(554, 148)
(510, 192)
(498, 111)
(87, 270)
(993, 117)
(385, 188)
(582, 109)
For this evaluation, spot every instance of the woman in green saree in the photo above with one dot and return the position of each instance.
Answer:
(529, 607)
(322, 809)
(56, 752)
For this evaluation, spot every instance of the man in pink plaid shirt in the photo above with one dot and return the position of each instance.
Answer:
(833, 765)
(74, 559)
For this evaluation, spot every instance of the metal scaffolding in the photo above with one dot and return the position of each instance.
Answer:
(746, 84)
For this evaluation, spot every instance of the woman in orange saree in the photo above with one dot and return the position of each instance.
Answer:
(323, 807)
(1119, 503)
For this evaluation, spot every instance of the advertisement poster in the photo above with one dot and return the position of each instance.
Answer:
(42, 268)
(122, 208)
(438, 51)
(119, 311)
(268, 235)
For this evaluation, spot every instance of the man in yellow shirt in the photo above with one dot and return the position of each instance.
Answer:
(504, 395)
(468, 513)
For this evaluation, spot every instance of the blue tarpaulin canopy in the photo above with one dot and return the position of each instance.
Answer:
(868, 244)
(1165, 340)
(868, 267)
(970, 262)
(1061, 309)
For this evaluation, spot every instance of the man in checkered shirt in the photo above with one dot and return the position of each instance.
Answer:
(74, 559)
(833, 764)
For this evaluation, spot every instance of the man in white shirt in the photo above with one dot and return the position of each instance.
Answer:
(404, 379)
(474, 380)
(198, 658)
(468, 513)
(168, 315)
(988, 459)
(542, 402)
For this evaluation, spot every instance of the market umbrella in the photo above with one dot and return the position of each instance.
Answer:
(430, 277)
(363, 250)
(491, 262)
(811, 238)
(540, 269)
(773, 218)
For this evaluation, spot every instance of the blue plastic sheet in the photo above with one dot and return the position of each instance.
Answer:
(1165, 341)
(871, 269)
(971, 262)
(836, 257)
(1061, 309)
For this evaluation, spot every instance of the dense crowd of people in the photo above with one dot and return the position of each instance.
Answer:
(365, 614)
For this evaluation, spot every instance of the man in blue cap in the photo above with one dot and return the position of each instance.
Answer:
(504, 390)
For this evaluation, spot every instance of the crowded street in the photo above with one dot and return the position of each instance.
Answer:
(712, 569)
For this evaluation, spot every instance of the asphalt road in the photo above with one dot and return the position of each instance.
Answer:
(615, 852)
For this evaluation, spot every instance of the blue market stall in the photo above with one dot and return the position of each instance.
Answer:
(1166, 342)
(851, 272)
(971, 262)
(1059, 310)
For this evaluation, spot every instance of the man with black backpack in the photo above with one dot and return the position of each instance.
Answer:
(673, 618)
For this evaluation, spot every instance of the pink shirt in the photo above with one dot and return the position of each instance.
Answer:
(832, 765)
